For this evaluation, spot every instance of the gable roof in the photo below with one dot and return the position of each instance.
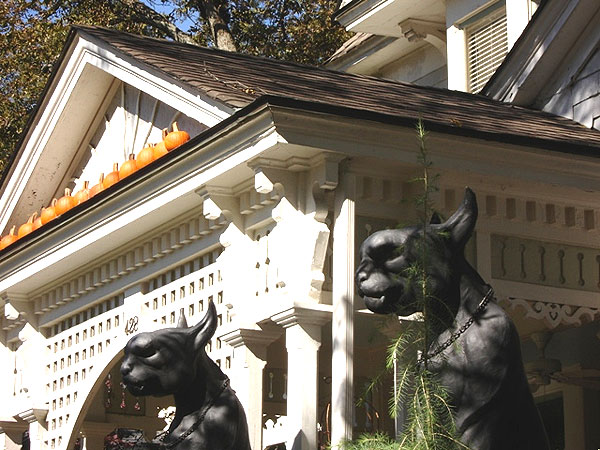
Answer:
(542, 50)
(237, 80)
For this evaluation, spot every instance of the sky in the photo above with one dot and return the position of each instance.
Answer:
(183, 23)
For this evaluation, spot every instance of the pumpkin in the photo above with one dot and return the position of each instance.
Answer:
(175, 138)
(9, 238)
(128, 167)
(112, 177)
(65, 203)
(145, 157)
(27, 227)
(98, 187)
(49, 213)
(37, 222)
(160, 149)
(83, 194)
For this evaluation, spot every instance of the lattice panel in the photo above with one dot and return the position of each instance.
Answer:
(74, 352)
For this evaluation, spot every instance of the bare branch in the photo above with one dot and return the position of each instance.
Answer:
(149, 16)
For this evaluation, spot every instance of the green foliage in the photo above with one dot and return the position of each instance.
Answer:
(429, 423)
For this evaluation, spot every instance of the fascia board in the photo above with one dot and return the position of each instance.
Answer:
(357, 137)
(355, 13)
(359, 54)
(141, 202)
(528, 67)
(84, 51)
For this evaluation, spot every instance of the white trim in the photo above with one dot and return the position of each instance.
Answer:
(82, 53)
(115, 221)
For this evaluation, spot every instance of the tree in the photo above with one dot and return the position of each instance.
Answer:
(32, 33)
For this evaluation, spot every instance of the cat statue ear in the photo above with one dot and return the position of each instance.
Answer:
(461, 224)
(182, 322)
(205, 329)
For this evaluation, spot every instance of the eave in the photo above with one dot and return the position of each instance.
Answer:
(278, 129)
(532, 62)
(382, 17)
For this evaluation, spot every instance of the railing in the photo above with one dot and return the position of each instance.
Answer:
(73, 353)
(71, 358)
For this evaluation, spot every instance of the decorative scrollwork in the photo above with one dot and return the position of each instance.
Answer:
(554, 314)
(131, 326)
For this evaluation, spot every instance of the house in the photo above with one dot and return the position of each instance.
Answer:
(289, 167)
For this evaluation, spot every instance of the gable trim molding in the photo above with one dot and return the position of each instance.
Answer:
(74, 72)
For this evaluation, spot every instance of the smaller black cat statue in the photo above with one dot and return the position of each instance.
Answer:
(208, 414)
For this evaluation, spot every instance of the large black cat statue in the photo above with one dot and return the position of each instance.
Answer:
(481, 367)
(173, 361)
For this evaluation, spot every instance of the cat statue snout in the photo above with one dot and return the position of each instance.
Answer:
(173, 361)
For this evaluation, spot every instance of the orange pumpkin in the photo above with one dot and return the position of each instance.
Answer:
(65, 203)
(9, 238)
(112, 177)
(49, 213)
(128, 167)
(98, 187)
(27, 227)
(175, 138)
(37, 222)
(160, 149)
(83, 194)
(145, 157)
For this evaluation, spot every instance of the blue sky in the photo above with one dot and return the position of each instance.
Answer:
(183, 23)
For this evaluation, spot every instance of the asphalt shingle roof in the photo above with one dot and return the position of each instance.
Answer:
(237, 80)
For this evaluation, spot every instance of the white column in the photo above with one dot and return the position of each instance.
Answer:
(457, 59)
(36, 418)
(342, 325)
(303, 339)
(249, 360)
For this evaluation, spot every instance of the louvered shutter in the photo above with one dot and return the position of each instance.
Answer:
(487, 45)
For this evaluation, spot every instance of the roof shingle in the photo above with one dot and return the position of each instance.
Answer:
(237, 80)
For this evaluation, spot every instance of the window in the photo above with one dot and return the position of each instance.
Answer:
(487, 44)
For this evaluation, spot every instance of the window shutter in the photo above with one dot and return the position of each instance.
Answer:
(487, 45)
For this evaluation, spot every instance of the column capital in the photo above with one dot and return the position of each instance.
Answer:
(33, 415)
(301, 316)
(250, 337)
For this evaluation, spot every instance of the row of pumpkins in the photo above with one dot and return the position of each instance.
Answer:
(148, 154)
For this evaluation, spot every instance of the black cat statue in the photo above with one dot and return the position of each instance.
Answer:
(477, 353)
(208, 414)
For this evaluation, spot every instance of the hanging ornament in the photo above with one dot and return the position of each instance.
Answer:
(122, 405)
(137, 406)
(108, 391)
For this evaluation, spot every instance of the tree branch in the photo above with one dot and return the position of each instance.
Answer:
(216, 18)
(149, 16)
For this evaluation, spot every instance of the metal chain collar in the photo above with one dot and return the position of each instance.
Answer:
(458, 333)
(196, 424)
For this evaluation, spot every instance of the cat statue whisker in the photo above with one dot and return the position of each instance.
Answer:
(173, 361)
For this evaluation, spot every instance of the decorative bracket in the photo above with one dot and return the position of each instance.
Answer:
(326, 178)
(220, 202)
(16, 304)
(432, 32)
(268, 177)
